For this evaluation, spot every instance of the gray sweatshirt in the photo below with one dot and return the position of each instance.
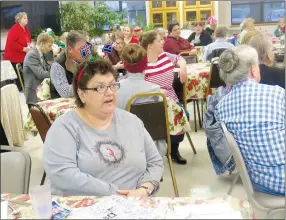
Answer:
(80, 160)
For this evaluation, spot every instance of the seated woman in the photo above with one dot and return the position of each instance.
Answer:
(114, 56)
(255, 114)
(65, 65)
(135, 61)
(280, 30)
(200, 37)
(174, 43)
(92, 150)
(35, 67)
(160, 70)
(270, 75)
(129, 38)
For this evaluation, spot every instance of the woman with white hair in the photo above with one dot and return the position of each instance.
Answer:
(255, 115)
(162, 32)
(18, 42)
(270, 75)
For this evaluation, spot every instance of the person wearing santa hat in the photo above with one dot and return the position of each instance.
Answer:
(211, 26)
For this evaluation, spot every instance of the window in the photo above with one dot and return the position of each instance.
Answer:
(262, 12)
(8, 14)
(133, 9)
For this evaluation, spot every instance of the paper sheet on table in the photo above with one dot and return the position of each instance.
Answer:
(114, 207)
(4, 209)
(206, 211)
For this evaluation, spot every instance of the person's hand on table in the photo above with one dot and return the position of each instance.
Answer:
(193, 52)
(119, 65)
(183, 75)
(140, 192)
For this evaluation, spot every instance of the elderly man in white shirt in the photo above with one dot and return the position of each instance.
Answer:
(220, 42)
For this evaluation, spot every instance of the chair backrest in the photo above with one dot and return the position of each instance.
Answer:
(40, 118)
(15, 170)
(191, 59)
(214, 80)
(215, 53)
(20, 74)
(239, 161)
(153, 114)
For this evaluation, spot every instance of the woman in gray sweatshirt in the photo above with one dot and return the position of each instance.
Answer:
(98, 149)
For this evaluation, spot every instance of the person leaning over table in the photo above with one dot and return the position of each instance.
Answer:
(174, 43)
(98, 149)
(160, 70)
(35, 68)
(65, 65)
(270, 74)
(18, 42)
(199, 37)
(255, 115)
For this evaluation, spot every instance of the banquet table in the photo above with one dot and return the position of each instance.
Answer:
(8, 73)
(56, 107)
(22, 203)
(197, 82)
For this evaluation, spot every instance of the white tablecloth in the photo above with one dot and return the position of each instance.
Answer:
(7, 71)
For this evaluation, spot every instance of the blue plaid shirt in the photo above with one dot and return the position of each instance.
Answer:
(255, 114)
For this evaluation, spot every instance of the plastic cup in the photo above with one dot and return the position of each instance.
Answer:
(41, 199)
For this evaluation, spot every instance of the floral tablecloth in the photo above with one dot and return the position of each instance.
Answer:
(7, 71)
(197, 82)
(22, 203)
(54, 108)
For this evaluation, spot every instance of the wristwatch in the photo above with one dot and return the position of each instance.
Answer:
(148, 190)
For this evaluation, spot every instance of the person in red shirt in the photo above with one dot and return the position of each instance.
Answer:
(18, 42)
(129, 38)
(174, 43)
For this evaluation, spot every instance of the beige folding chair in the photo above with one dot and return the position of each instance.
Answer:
(267, 206)
(155, 118)
(20, 76)
(15, 170)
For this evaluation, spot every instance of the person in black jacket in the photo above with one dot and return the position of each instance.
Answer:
(199, 37)
(270, 75)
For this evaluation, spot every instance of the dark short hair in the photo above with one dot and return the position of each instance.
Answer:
(171, 25)
(148, 38)
(101, 67)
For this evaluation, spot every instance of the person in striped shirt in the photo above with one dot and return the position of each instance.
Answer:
(160, 70)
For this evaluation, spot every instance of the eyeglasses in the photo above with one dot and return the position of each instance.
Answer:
(103, 88)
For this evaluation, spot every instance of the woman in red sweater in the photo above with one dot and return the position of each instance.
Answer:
(129, 38)
(18, 42)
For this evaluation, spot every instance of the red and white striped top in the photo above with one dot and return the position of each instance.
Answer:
(162, 73)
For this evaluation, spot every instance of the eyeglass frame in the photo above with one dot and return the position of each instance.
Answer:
(106, 88)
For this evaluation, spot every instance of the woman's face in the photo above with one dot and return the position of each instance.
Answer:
(281, 22)
(126, 32)
(45, 48)
(24, 20)
(119, 44)
(157, 45)
(176, 32)
(97, 102)
(198, 29)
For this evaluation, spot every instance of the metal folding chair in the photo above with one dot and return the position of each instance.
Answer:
(42, 123)
(20, 75)
(15, 170)
(155, 118)
(267, 206)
